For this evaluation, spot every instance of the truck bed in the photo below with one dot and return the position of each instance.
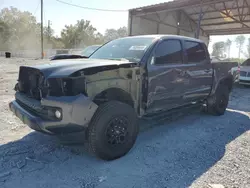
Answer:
(223, 68)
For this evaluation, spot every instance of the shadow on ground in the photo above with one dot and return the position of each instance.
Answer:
(173, 155)
(240, 98)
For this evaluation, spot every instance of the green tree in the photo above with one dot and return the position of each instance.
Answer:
(50, 41)
(23, 30)
(48, 32)
(20, 30)
(58, 43)
(79, 35)
(68, 36)
(218, 49)
(240, 40)
(99, 38)
(4, 35)
(111, 34)
(228, 45)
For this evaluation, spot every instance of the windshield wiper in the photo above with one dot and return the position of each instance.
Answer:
(118, 59)
(129, 59)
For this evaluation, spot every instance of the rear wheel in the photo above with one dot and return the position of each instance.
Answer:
(113, 130)
(220, 101)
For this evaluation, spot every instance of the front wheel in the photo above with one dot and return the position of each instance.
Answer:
(220, 102)
(113, 130)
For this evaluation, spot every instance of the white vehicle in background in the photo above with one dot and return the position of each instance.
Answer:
(89, 50)
(84, 54)
(244, 77)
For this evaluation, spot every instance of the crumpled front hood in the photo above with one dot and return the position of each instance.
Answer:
(63, 68)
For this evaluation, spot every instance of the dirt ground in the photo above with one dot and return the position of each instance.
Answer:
(197, 150)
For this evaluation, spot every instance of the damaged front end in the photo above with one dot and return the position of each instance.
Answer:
(52, 105)
(62, 97)
(33, 83)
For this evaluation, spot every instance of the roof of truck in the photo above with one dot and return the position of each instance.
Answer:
(166, 36)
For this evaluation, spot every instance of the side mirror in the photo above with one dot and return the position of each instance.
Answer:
(153, 62)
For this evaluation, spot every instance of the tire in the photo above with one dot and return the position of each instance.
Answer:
(220, 101)
(112, 131)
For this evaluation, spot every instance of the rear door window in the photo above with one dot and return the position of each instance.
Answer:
(195, 52)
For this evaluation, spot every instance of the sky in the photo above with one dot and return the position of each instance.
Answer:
(61, 14)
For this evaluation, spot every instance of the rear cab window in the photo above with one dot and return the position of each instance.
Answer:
(195, 52)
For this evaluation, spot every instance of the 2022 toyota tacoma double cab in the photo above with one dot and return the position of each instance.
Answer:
(125, 79)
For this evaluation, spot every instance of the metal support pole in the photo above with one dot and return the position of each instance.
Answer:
(197, 34)
(130, 24)
(42, 52)
(157, 28)
(49, 30)
(178, 22)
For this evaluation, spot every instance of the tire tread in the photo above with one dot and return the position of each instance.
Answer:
(92, 130)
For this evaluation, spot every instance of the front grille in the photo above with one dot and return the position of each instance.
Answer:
(30, 82)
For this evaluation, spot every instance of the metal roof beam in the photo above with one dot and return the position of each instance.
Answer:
(152, 10)
(239, 21)
(223, 23)
(228, 31)
(215, 18)
(152, 20)
(248, 12)
(238, 9)
(219, 10)
(189, 18)
(242, 10)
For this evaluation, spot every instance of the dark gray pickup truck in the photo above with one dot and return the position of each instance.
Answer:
(125, 79)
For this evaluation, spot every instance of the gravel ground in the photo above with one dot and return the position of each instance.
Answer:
(195, 150)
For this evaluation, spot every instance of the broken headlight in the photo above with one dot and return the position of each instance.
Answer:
(66, 86)
(73, 86)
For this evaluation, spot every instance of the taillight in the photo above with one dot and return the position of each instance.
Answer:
(238, 69)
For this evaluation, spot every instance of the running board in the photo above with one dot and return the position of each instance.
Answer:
(169, 114)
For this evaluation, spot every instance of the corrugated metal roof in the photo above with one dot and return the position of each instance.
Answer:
(172, 3)
(219, 15)
(155, 5)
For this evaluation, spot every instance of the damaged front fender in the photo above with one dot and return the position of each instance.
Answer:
(126, 79)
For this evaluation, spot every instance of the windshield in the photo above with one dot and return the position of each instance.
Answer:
(89, 50)
(131, 49)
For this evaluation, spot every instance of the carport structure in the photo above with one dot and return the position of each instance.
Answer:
(193, 18)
